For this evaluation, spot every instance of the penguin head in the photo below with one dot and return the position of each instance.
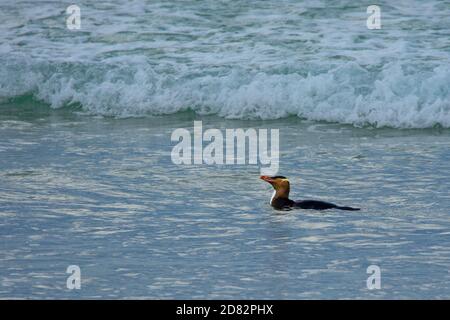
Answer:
(277, 182)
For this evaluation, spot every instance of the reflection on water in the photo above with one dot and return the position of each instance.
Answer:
(104, 195)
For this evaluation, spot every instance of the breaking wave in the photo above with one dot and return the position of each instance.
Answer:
(253, 60)
(347, 94)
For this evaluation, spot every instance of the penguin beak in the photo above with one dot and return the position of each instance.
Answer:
(266, 178)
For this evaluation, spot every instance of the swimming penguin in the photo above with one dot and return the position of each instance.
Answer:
(280, 198)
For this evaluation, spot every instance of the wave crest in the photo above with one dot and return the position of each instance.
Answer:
(393, 95)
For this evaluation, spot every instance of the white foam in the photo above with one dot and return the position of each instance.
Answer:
(267, 61)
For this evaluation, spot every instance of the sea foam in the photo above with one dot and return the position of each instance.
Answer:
(262, 60)
(346, 94)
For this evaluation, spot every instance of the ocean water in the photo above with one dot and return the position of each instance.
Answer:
(86, 176)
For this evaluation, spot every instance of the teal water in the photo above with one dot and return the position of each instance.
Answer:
(240, 59)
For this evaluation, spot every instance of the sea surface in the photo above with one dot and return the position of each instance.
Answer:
(87, 179)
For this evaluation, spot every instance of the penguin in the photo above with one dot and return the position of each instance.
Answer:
(280, 198)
